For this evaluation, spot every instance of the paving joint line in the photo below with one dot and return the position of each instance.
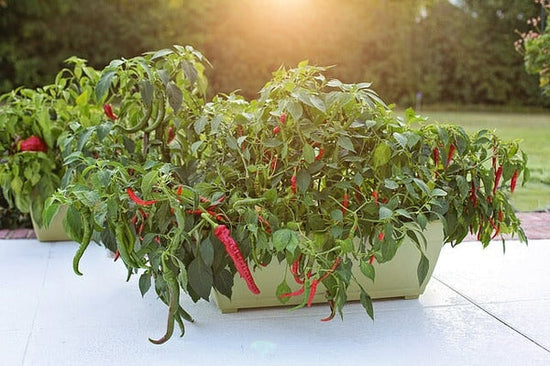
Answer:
(471, 301)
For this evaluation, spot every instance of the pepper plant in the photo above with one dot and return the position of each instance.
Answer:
(31, 121)
(315, 173)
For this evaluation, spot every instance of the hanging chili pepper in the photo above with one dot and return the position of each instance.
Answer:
(240, 130)
(108, 109)
(294, 271)
(276, 130)
(371, 259)
(171, 134)
(273, 164)
(117, 255)
(497, 179)
(345, 203)
(500, 216)
(381, 236)
(232, 249)
(293, 184)
(332, 312)
(282, 118)
(320, 154)
(138, 200)
(514, 181)
(473, 194)
(178, 191)
(436, 156)
(331, 270)
(312, 290)
(375, 196)
(265, 224)
(452, 149)
(294, 293)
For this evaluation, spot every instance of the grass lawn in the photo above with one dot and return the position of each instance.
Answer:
(534, 132)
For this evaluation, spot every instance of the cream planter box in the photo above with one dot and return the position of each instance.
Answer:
(396, 278)
(54, 232)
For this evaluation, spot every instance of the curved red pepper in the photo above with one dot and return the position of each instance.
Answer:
(138, 200)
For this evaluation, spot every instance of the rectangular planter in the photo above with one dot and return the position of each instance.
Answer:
(396, 278)
(54, 232)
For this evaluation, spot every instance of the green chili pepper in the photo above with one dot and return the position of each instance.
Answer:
(86, 238)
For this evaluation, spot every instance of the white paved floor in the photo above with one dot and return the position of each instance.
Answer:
(480, 308)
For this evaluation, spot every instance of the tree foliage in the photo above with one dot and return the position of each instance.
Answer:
(459, 52)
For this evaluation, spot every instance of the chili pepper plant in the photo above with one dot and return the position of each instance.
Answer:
(31, 120)
(316, 174)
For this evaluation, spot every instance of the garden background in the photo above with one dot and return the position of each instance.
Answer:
(454, 61)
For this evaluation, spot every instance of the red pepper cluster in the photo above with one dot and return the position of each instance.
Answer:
(33, 143)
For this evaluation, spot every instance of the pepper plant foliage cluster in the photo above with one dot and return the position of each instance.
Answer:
(315, 173)
(31, 120)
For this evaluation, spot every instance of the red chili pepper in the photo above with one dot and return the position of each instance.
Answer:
(276, 130)
(452, 149)
(436, 156)
(294, 271)
(273, 164)
(232, 249)
(117, 255)
(479, 232)
(193, 212)
(178, 191)
(320, 154)
(371, 259)
(312, 290)
(489, 199)
(138, 200)
(33, 143)
(514, 181)
(240, 130)
(473, 194)
(335, 265)
(332, 312)
(375, 196)
(171, 134)
(381, 236)
(495, 154)
(345, 203)
(282, 118)
(293, 184)
(265, 224)
(497, 179)
(291, 294)
(108, 109)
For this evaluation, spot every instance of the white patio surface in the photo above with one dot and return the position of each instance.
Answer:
(480, 308)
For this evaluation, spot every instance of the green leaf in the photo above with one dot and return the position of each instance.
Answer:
(345, 142)
(146, 90)
(207, 252)
(303, 180)
(148, 180)
(200, 278)
(144, 283)
(175, 96)
(437, 192)
(422, 270)
(366, 301)
(309, 154)
(104, 84)
(367, 269)
(49, 212)
(223, 282)
(161, 53)
(285, 239)
(384, 213)
(401, 139)
(190, 71)
(296, 110)
(337, 215)
(283, 288)
(382, 154)
(390, 184)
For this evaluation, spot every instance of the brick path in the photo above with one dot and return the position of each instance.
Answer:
(535, 224)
